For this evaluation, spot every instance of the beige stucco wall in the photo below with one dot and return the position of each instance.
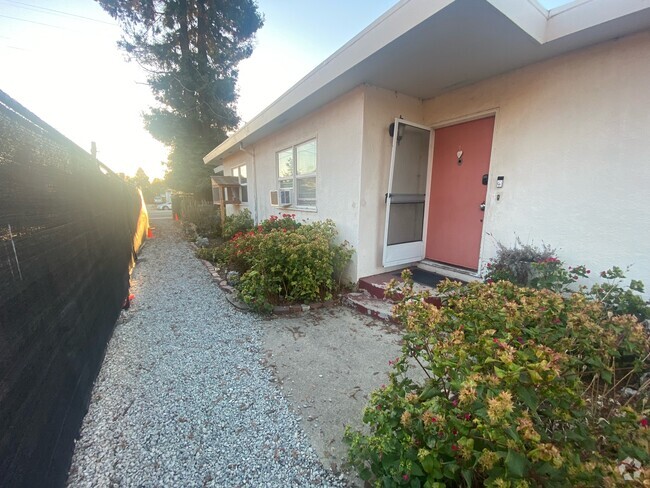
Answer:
(337, 128)
(572, 139)
(380, 108)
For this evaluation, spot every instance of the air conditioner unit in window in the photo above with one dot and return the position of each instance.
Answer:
(273, 196)
(281, 198)
(285, 197)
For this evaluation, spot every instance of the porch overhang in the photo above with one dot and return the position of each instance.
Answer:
(423, 48)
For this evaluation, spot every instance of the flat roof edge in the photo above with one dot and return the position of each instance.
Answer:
(541, 24)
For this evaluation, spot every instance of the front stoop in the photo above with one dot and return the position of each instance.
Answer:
(367, 304)
(371, 300)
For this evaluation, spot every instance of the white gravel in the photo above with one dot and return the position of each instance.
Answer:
(182, 398)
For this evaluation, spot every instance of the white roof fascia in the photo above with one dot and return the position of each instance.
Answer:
(394, 23)
(529, 15)
(578, 16)
(542, 25)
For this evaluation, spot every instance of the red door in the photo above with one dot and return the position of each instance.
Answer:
(461, 156)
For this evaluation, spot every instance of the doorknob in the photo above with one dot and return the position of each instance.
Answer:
(482, 207)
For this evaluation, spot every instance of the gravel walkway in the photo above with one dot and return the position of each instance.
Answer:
(182, 398)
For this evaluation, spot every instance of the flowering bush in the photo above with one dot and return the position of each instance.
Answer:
(539, 268)
(520, 387)
(283, 261)
(285, 221)
(515, 263)
(239, 222)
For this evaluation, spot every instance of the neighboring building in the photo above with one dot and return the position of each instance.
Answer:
(517, 122)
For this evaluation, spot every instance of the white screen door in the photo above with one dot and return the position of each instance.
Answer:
(405, 200)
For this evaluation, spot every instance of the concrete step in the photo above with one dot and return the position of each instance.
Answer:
(370, 299)
(377, 285)
(367, 304)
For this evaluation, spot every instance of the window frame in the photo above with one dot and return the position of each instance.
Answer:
(294, 174)
(241, 185)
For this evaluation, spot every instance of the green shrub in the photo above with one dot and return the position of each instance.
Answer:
(282, 261)
(527, 265)
(619, 299)
(204, 215)
(239, 222)
(514, 264)
(293, 266)
(521, 387)
(285, 221)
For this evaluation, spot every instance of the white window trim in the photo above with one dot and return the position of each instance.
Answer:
(295, 176)
(238, 175)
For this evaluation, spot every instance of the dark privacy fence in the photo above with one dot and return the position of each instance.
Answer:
(66, 232)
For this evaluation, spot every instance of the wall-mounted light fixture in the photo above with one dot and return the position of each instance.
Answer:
(400, 131)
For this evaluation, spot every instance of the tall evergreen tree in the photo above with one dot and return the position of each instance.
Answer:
(190, 50)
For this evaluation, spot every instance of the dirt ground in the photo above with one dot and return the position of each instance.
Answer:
(327, 362)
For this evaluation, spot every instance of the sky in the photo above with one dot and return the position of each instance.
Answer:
(59, 59)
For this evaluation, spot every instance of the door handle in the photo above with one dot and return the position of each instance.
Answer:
(482, 207)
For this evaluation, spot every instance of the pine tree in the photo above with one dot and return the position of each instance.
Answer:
(190, 50)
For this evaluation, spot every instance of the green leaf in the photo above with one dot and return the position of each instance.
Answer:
(416, 470)
(467, 476)
(606, 375)
(427, 464)
(516, 463)
(499, 372)
(528, 396)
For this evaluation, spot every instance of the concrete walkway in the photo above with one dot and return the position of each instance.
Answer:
(193, 392)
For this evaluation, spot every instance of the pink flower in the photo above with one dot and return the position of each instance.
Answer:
(644, 422)
(405, 477)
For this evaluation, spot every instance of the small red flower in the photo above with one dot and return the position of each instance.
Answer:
(405, 477)
(644, 422)
(454, 447)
